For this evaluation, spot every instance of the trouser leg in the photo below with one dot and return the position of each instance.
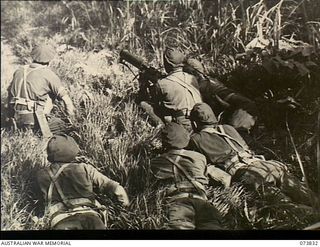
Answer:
(25, 121)
(269, 174)
(207, 216)
(296, 190)
(148, 108)
(84, 221)
(181, 215)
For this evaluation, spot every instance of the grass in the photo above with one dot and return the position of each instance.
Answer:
(113, 133)
(114, 137)
(104, 126)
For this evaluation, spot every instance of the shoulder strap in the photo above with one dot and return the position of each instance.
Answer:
(193, 90)
(23, 85)
(55, 183)
(227, 138)
(185, 173)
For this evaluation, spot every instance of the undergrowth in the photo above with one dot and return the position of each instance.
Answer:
(114, 134)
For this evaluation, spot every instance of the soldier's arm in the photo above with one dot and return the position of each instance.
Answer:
(9, 89)
(107, 185)
(219, 175)
(60, 91)
(149, 109)
(226, 96)
(69, 105)
(39, 191)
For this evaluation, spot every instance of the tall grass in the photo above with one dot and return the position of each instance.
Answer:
(113, 133)
(17, 170)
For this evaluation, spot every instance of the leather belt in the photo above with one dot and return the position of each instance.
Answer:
(29, 104)
(76, 202)
(172, 190)
(186, 195)
(78, 210)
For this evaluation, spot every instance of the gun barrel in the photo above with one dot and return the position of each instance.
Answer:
(135, 61)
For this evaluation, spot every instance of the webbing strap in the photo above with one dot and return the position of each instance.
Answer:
(185, 173)
(23, 85)
(55, 183)
(189, 86)
(178, 158)
(227, 137)
(196, 96)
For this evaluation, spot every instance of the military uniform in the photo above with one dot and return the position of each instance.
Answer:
(32, 89)
(178, 91)
(178, 94)
(68, 188)
(223, 147)
(183, 174)
(241, 111)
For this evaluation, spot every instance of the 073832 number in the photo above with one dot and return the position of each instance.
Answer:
(309, 242)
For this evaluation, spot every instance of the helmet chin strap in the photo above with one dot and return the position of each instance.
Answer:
(194, 125)
(167, 66)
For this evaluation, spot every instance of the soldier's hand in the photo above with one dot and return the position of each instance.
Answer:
(241, 119)
(69, 105)
(122, 196)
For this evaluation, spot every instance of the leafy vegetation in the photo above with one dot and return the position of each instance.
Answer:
(267, 50)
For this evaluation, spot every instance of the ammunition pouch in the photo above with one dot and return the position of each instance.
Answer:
(30, 105)
(185, 189)
(28, 112)
(240, 160)
(23, 111)
(59, 211)
(256, 170)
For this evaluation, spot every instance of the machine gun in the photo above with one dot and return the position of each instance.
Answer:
(148, 76)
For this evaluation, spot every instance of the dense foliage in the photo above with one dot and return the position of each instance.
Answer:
(267, 50)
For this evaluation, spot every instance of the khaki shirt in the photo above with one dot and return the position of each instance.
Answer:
(193, 163)
(179, 91)
(41, 82)
(77, 180)
(215, 147)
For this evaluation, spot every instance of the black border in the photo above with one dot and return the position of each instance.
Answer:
(161, 235)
